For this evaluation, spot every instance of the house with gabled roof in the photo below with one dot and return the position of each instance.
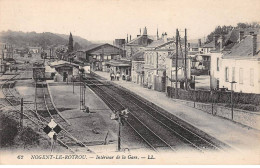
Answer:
(65, 70)
(98, 54)
(237, 60)
(155, 62)
(137, 70)
(139, 43)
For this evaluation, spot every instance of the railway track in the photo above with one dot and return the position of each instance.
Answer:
(64, 138)
(46, 109)
(146, 119)
(151, 138)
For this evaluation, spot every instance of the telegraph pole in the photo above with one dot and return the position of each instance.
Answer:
(119, 132)
(176, 65)
(232, 103)
(185, 59)
(35, 99)
(73, 83)
(21, 115)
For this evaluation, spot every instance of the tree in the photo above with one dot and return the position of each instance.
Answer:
(77, 46)
(219, 31)
(70, 47)
(223, 30)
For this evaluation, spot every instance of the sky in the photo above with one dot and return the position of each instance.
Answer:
(106, 20)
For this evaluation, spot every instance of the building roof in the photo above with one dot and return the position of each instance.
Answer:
(244, 48)
(136, 40)
(139, 56)
(159, 43)
(124, 63)
(61, 63)
(194, 45)
(96, 46)
(156, 43)
(209, 45)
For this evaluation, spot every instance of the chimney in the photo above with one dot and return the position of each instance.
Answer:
(127, 39)
(254, 44)
(215, 39)
(199, 43)
(188, 45)
(241, 35)
(157, 35)
(221, 42)
(130, 37)
(165, 37)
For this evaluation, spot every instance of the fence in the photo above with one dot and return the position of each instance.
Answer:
(206, 101)
(249, 100)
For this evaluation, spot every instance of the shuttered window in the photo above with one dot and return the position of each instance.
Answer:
(252, 77)
(241, 75)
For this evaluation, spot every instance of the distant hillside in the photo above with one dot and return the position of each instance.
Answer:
(22, 39)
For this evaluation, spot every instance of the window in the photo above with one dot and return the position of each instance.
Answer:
(226, 74)
(233, 74)
(109, 57)
(217, 64)
(94, 56)
(251, 76)
(105, 57)
(241, 75)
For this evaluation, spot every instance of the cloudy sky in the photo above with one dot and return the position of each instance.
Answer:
(109, 19)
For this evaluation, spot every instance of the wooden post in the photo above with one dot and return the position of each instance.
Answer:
(21, 114)
(119, 132)
(185, 60)
(194, 99)
(84, 92)
(176, 65)
(232, 105)
(73, 84)
(35, 97)
(212, 99)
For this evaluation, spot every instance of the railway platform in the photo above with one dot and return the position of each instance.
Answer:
(237, 136)
(92, 128)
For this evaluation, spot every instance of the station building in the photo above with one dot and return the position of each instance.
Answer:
(122, 67)
(97, 55)
(65, 70)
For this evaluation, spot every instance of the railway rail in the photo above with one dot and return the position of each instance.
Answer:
(64, 138)
(143, 118)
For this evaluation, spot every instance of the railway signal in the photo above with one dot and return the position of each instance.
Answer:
(120, 116)
(52, 129)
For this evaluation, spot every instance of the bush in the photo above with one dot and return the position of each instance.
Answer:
(29, 137)
(8, 131)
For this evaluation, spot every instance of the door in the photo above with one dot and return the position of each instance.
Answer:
(65, 76)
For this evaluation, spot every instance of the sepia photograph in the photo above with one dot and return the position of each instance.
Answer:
(129, 82)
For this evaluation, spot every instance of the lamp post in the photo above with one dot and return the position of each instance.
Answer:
(232, 104)
(212, 101)
(73, 83)
(121, 117)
